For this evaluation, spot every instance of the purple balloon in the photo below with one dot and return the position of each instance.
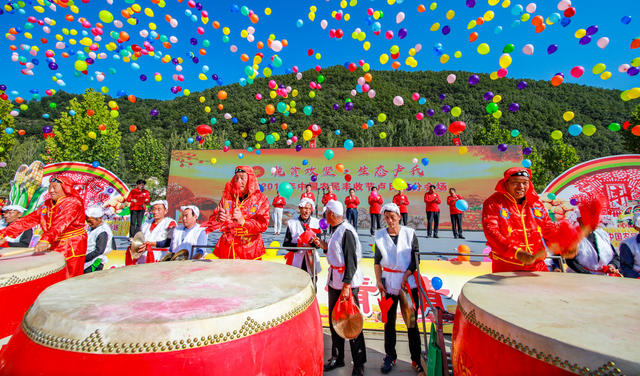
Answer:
(193, 41)
(154, 112)
(503, 147)
(446, 30)
(314, 178)
(522, 85)
(89, 60)
(298, 147)
(348, 106)
(402, 33)
(488, 96)
(633, 71)
(552, 48)
(199, 6)
(214, 77)
(3, 87)
(272, 119)
(53, 66)
(440, 130)
(559, 74)
(198, 138)
(47, 129)
(527, 151)
(446, 108)
(573, 202)
(585, 40)
(474, 79)
(442, 96)
(471, 3)
(195, 60)
(323, 224)
(430, 112)
(143, 77)
(336, 106)
(514, 107)
(592, 29)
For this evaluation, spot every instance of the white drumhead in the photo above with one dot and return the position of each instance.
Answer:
(167, 306)
(27, 267)
(585, 320)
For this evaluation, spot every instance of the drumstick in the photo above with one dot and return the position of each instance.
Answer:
(19, 252)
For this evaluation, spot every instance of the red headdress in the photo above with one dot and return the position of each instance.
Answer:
(67, 186)
(252, 183)
(531, 194)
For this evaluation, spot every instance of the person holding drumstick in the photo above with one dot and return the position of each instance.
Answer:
(394, 264)
(157, 236)
(10, 214)
(516, 224)
(343, 254)
(61, 219)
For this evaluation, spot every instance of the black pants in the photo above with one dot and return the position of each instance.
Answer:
(375, 218)
(405, 218)
(390, 330)
(358, 349)
(433, 217)
(136, 222)
(88, 270)
(456, 224)
(352, 217)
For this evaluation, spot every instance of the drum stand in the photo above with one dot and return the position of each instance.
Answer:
(438, 312)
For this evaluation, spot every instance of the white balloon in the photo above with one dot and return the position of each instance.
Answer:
(603, 42)
(528, 49)
(361, 81)
(251, 30)
(564, 4)
(46, 29)
(173, 23)
(233, 48)
(323, 24)
(299, 76)
(117, 23)
(531, 7)
(276, 46)
(289, 142)
(173, 39)
(371, 93)
(227, 116)
(624, 68)
(353, 92)
(451, 78)
(251, 37)
(179, 68)
(399, 17)
(398, 100)
(59, 45)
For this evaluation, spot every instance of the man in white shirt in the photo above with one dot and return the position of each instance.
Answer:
(99, 240)
(188, 234)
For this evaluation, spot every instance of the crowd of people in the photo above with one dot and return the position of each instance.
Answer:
(517, 227)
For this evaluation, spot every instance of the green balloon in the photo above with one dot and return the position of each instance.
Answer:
(285, 189)
(320, 79)
(492, 107)
(509, 48)
(307, 110)
(328, 154)
(614, 127)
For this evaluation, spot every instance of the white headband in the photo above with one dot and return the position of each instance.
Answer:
(160, 202)
(17, 208)
(306, 201)
(193, 208)
(94, 212)
(390, 207)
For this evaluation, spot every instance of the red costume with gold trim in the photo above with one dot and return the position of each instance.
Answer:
(62, 226)
(510, 226)
(241, 241)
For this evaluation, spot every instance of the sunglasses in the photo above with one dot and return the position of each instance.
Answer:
(55, 180)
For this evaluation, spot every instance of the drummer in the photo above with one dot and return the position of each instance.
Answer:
(157, 236)
(343, 254)
(10, 214)
(595, 255)
(295, 228)
(394, 263)
(189, 233)
(61, 219)
(98, 241)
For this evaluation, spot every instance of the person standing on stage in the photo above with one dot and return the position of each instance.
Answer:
(10, 214)
(329, 196)
(296, 227)
(432, 202)
(375, 204)
(242, 215)
(516, 224)
(278, 204)
(630, 252)
(394, 263)
(61, 219)
(456, 214)
(98, 241)
(403, 203)
(138, 199)
(352, 201)
(188, 234)
(308, 194)
(157, 236)
(343, 255)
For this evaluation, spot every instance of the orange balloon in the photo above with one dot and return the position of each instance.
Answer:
(537, 20)
(540, 28)
(368, 77)
(69, 18)
(202, 51)
(285, 43)
(254, 18)
(132, 128)
(123, 36)
(21, 132)
(269, 109)
(102, 127)
(636, 130)
(222, 95)
(260, 44)
(463, 248)
(19, 100)
(473, 36)
(284, 126)
(166, 45)
(364, 126)
(220, 107)
(65, 54)
(421, 8)
(125, 13)
(340, 167)
(215, 24)
(395, 65)
(168, 17)
(132, 98)
(479, 21)
(557, 80)
(244, 57)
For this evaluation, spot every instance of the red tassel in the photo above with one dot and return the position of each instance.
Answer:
(384, 304)
(590, 212)
(565, 238)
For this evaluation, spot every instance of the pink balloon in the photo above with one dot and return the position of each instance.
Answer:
(502, 72)
(419, 116)
(577, 71)
(451, 78)
(603, 42)
(415, 96)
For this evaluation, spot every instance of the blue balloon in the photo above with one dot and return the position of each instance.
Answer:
(305, 162)
(95, 164)
(348, 144)
(575, 129)
(72, 113)
(240, 155)
(337, 132)
(425, 161)
(185, 119)
(436, 283)
(565, 21)
(190, 140)
(414, 187)
(526, 163)
(8, 130)
(625, 20)
(462, 205)
(261, 187)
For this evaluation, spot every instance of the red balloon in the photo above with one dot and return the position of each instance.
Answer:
(204, 130)
(457, 127)
(626, 125)
(347, 177)
(570, 12)
(577, 71)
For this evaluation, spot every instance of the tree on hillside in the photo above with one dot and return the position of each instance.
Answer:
(631, 141)
(149, 157)
(557, 157)
(85, 132)
(7, 140)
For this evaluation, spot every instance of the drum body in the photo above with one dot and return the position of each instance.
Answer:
(547, 324)
(197, 317)
(22, 279)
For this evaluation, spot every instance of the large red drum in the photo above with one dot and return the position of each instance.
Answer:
(547, 324)
(22, 278)
(196, 317)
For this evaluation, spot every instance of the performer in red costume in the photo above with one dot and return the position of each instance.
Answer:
(61, 218)
(516, 224)
(242, 216)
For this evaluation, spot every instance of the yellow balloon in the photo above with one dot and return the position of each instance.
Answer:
(497, 98)
(599, 68)
(568, 116)
(457, 55)
(214, 160)
(525, 17)
(307, 135)
(463, 150)
(267, 11)
(450, 14)
(506, 3)
(444, 59)
(84, 147)
(433, 6)
(497, 114)
(505, 61)
(556, 135)
(488, 15)
(394, 49)
(605, 75)
(634, 93)
(494, 76)
(148, 12)
(366, 45)
(384, 58)
(202, 77)
(493, 2)
(580, 33)
(471, 24)
(483, 49)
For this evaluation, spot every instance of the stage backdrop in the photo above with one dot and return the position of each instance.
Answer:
(615, 178)
(198, 177)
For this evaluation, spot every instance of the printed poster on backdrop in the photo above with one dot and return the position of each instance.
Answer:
(194, 179)
(615, 178)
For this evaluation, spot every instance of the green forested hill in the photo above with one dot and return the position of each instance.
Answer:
(541, 109)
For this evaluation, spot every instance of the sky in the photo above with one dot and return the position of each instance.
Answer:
(290, 21)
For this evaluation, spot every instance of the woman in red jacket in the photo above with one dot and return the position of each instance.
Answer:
(403, 202)
(138, 199)
(375, 205)
(456, 214)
